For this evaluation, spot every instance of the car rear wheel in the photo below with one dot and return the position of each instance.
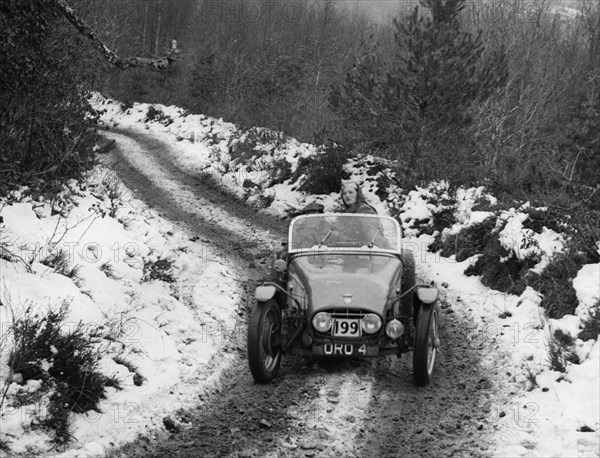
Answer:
(264, 341)
(426, 343)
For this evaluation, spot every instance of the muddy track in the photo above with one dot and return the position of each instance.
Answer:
(316, 407)
(197, 217)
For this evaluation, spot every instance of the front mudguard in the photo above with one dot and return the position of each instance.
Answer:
(264, 293)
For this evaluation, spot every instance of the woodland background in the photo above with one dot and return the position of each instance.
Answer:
(504, 93)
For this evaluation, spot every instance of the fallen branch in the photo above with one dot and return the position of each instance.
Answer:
(123, 63)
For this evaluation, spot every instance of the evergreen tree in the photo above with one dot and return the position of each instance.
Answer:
(441, 72)
(359, 100)
(422, 103)
(46, 131)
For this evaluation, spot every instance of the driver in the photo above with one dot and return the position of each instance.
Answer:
(353, 199)
(355, 202)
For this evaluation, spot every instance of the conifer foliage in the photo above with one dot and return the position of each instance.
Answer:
(46, 127)
(420, 103)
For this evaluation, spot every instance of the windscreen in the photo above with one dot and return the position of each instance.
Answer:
(345, 231)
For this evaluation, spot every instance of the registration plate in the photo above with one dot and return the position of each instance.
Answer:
(343, 327)
(345, 349)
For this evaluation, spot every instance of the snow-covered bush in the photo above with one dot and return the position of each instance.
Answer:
(59, 261)
(501, 271)
(160, 269)
(61, 360)
(561, 351)
(322, 173)
(470, 241)
(555, 283)
(590, 326)
(157, 115)
(429, 210)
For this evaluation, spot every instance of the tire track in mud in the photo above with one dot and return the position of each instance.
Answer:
(452, 416)
(314, 408)
(238, 417)
(142, 160)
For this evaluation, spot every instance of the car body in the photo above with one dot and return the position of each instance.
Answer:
(344, 287)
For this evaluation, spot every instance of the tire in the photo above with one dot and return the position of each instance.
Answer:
(408, 281)
(264, 341)
(426, 343)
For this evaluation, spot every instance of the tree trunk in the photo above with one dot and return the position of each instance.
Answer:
(145, 27)
(157, 38)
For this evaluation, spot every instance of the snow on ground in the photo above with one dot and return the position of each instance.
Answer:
(167, 326)
(166, 333)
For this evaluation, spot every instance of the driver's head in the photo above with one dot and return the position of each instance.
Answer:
(350, 193)
(353, 199)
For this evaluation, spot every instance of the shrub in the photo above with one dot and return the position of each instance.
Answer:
(561, 351)
(161, 269)
(281, 171)
(243, 150)
(469, 241)
(65, 358)
(442, 202)
(323, 172)
(383, 183)
(484, 204)
(538, 218)
(585, 234)
(555, 283)
(591, 324)
(443, 198)
(116, 193)
(441, 220)
(48, 125)
(507, 276)
(108, 270)
(59, 262)
(126, 105)
(156, 114)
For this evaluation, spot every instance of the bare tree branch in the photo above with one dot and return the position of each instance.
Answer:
(123, 63)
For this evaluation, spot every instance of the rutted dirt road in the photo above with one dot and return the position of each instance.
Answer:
(315, 407)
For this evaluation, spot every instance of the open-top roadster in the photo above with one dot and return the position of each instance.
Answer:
(343, 287)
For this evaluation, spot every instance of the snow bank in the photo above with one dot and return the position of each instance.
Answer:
(157, 330)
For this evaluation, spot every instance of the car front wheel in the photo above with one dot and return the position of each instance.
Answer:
(426, 343)
(264, 341)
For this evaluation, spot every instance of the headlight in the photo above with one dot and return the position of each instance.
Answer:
(371, 323)
(394, 329)
(322, 322)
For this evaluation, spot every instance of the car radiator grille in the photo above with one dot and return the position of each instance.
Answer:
(347, 313)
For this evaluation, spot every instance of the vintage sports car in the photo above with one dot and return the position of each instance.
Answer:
(343, 287)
